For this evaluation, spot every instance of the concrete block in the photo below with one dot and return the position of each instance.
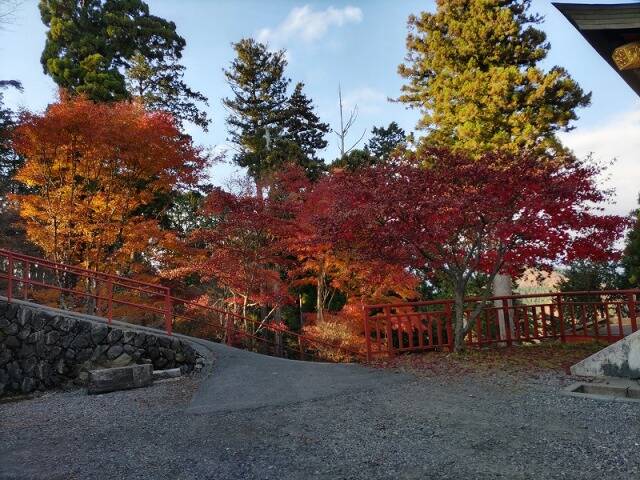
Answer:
(621, 359)
(123, 378)
(164, 374)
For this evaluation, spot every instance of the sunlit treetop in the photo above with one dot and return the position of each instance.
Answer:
(473, 69)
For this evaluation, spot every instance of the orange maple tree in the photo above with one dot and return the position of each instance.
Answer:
(94, 167)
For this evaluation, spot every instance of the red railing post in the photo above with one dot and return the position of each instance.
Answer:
(448, 318)
(301, 350)
(10, 276)
(168, 312)
(228, 329)
(389, 330)
(507, 321)
(563, 338)
(25, 280)
(109, 300)
(631, 301)
(367, 332)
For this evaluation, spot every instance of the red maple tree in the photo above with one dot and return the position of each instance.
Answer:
(439, 211)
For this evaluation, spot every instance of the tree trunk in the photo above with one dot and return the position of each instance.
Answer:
(300, 312)
(459, 323)
(320, 295)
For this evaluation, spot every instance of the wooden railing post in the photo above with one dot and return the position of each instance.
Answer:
(25, 280)
(507, 321)
(448, 319)
(168, 312)
(109, 300)
(367, 332)
(631, 301)
(228, 330)
(563, 337)
(300, 347)
(389, 330)
(10, 277)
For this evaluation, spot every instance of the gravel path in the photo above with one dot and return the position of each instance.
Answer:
(473, 426)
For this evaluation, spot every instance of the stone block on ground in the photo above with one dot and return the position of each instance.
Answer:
(164, 374)
(123, 378)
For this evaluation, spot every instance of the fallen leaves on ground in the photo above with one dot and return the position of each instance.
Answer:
(525, 359)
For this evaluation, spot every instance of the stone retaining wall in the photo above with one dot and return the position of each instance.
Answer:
(41, 349)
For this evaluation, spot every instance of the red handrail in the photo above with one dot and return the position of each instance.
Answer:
(162, 301)
(419, 326)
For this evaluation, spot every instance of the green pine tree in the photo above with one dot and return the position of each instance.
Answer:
(90, 43)
(159, 85)
(473, 69)
(355, 159)
(12, 226)
(385, 140)
(258, 107)
(304, 128)
(631, 257)
(10, 162)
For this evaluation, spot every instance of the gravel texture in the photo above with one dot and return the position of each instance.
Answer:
(473, 426)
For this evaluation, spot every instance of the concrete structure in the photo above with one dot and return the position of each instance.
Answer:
(622, 359)
(123, 378)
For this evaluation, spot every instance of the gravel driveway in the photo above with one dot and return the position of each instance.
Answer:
(471, 426)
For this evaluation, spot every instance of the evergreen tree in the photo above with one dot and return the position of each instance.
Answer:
(473, 70)
(91, 42)
(10, 162)
(386, 140)
(585, 275)
(631, 258)
(159, 85)
(304, 128)
(355, 159)
(258, 107)
(12, 227)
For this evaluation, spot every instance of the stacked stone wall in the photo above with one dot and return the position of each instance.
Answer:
(41, 349)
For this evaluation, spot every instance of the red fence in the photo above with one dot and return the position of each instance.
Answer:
(151, 305)
(389, 329)
(570, 316)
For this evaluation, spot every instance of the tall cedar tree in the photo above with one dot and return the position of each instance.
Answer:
(304, 128)
(257, 109)
(473, 70)
(94, 167)
(159, 85)
(91, 44)
(465, 215)
(268, 128)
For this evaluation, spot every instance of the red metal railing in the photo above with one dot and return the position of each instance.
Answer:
(388, 328)
(568, 316)
(152, 305)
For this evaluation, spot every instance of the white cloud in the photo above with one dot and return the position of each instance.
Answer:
(369, 100)
(619, 139)
(309, 25)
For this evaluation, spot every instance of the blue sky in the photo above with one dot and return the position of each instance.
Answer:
(358, 44)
